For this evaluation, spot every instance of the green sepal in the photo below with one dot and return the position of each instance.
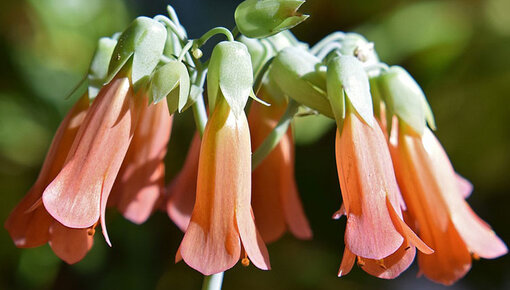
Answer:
(144, 41)
(346, 77)
(298, 74)
(98, 69)
(405, 98)
(230, 74)
(171, 81)
(262, 18)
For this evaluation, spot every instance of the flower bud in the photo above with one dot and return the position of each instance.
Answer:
(299, 76)
(404, 98)
(346, 79)
(144, 41)
(262, 18)
(171, 81)
(230, 75)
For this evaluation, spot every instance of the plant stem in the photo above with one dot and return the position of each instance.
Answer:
(274, 137)
(213, 282)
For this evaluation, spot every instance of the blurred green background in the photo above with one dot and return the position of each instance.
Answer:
(458, 50)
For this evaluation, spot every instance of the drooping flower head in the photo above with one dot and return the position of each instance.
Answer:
(275, 199)
(140, 182)
(375, 231)
(433, 192)
(437, 208)
(29, 224)
(222, 224)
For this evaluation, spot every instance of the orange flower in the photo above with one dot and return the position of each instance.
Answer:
(275, 200)
(182, 190)
(375, 231)
(29, 224)
(222, 223)
(140, 182)
(439, 213)
(78, 195)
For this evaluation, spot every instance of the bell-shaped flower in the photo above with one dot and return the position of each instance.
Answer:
(275, 199)
(78, 195)
(29, 224)
(222, 225)
(375, 231)
(140, 182)
(436, 206)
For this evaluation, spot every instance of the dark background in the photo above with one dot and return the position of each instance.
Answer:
(457, 50)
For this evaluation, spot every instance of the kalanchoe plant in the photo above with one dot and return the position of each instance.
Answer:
(399, 190)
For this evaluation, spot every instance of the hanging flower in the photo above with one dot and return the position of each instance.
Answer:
(78, 195)
(140, 182)
(275, 199)
(29, 224)
(222, 224)
(437, 209)
(375, 231)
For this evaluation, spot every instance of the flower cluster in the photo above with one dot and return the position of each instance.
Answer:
(401, 195)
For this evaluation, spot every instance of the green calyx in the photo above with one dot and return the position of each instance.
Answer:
(299, 75)
(230, 75)
(143, 42)
(262, 18)
(348, 81)
(405, 99)
(171, 81)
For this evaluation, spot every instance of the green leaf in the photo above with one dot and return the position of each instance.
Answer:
(346, 76)
(262, 18)
(230, 73)
(298, 75)
(165, 82)
(144, 40)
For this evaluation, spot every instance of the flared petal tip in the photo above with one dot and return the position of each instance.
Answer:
(496, 249)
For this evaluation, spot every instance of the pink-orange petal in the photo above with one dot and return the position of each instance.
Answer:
(78, 195)
(366, 177)
(70, 245)
(211, 243)
(347, 263)
(393, 265)
(140, 182)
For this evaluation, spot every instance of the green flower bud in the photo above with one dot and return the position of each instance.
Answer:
(143, 41)
(347, 80)
(404, 98)
(171, 81)
(262, 18)
(299, 75)
(230, 75)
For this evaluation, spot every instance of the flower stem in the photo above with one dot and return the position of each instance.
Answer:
(274, 137)
(217, 30)
(213, 282)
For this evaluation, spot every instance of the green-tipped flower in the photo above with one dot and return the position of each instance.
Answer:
(171, 81)
(347, 83)
(298, 74)
(262, 18)
(230, 75)
(98, 69)
(405, 99)
(143, 41)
